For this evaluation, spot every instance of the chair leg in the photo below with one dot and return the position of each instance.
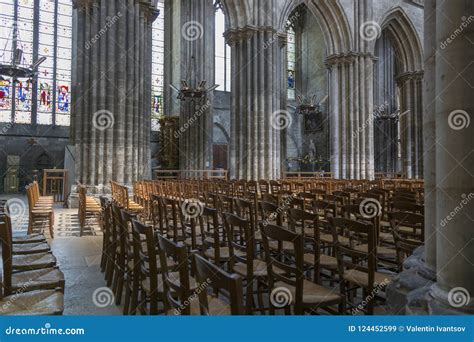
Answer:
(51, 225)
(126, 304)
(118, 294)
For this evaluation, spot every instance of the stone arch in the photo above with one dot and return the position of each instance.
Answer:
(223, 130)
(330, 17)
(405, 39)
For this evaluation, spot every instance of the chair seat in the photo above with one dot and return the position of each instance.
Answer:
(45, 278)
(259, 268)
(27, 239)
(223, 253)
(362, 279)
(327, 238)
(288, 246)
(386, 237)
(325, 261)
(41, 211)
(33, 261)
(217, 307)
(313, 294)
(31, 248)
(34, 303)
(381, 250)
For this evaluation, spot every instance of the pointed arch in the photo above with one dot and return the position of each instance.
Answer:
(408, 48)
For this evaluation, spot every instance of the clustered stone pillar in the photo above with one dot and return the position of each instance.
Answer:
(351, 121)
(411, 123)
(256, 116)
(437, 278)
(189, 56)
(454, 157)
(112, 90)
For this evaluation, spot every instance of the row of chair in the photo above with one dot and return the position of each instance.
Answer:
(89, 207)
(227, 233)
(40, 209)
(32, 282)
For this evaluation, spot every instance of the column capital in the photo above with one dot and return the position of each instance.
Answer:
(410, 75)
(82, 4)
(149, 8)
(244, 33)
(348, 57)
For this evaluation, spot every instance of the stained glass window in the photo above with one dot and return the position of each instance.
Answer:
(291, 49)
(157, 68)
(222, 53)
(50, 37)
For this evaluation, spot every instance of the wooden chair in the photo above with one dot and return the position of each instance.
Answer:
(302, 294)
(213, 236)
(151, 280)
(307, 224)
(89, 207)
(26, 278)
(357, 268)
(243, 258)
(34, 303)
(209, 275)
(39, 211)
(172, 212)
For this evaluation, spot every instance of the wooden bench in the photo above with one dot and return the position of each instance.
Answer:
(88, 207)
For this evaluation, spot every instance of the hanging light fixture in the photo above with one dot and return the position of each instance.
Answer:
(306, 107)
(192, 92)
(16, 68)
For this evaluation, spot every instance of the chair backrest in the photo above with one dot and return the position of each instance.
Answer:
(271, 213)
(245, 209)
(210, 229)
(408, 207)
(148, 258)
(177, 291)
(241, 240)
(414, 222)
(172, 215)
(324, 208)
(210, 275)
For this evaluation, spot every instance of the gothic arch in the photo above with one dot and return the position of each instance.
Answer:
(405, 39)
(223, 130)
(331, 18)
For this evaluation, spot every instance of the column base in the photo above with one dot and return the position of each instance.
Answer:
(457, 301)
(408, 294)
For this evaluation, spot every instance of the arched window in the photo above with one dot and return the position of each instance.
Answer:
(157, 68)
(291, 60)
(222, 52)
(44, 30)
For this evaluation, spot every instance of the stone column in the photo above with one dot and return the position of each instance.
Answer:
(411, 123)
(454, 158)
(351, 121)
(112, 90)
(257, 119)
(189, 56)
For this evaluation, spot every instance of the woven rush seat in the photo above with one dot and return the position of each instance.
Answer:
(34, 303)
(325, 261)
(44, 278)
(362, 279)
(26, 239)
(30, 248)
(33, 261)
(313, 293)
